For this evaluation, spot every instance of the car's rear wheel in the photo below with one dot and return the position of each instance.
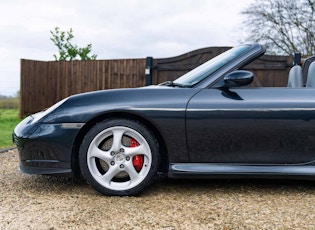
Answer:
(119, 157)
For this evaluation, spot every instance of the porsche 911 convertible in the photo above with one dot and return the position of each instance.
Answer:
(206, 123)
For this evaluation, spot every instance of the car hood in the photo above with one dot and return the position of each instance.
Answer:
(86, 106)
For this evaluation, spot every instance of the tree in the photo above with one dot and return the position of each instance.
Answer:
(68, 51)
(283, 26)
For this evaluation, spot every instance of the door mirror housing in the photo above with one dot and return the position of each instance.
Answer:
(238, 78)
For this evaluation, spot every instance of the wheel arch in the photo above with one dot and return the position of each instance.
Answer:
(120, 115)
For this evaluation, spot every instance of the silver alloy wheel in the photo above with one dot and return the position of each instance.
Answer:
(110, 158)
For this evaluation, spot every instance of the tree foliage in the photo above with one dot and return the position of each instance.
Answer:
(283, 26)
(67, 51)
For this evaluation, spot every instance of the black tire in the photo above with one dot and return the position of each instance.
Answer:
(119, 157)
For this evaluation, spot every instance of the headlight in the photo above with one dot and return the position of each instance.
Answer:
(40, 115)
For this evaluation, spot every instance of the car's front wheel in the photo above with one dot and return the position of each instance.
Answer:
(119, 157)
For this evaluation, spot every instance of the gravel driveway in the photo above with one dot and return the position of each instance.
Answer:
(41, 202)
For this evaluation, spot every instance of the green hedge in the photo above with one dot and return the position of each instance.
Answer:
(10, 103)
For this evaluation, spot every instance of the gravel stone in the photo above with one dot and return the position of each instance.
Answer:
(46, 202)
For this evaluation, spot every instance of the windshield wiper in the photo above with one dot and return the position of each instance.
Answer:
(173, 84)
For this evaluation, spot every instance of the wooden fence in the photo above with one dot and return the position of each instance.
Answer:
(45, 83)
(166, 69)
(270, 71)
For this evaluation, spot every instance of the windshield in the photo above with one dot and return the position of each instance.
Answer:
(203, 71)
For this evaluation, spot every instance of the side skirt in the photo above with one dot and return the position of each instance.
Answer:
(195, 170)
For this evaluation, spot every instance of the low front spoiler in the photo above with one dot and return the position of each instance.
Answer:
(46, 171)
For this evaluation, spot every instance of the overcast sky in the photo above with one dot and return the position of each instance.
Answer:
(115, 28)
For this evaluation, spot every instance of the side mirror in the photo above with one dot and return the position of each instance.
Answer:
(238, 78)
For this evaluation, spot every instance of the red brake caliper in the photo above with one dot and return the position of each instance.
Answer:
(137, 160)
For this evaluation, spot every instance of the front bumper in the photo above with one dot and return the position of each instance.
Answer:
(44, 148)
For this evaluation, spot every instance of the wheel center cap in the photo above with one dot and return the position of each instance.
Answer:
(119, 157)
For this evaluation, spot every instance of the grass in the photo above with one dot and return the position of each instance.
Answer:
(9, 118)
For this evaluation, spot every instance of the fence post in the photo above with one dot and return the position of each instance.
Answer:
(148, 77)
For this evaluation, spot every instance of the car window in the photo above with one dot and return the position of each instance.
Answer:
(203, 71)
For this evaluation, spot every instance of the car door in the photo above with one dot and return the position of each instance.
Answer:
(252, 126)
